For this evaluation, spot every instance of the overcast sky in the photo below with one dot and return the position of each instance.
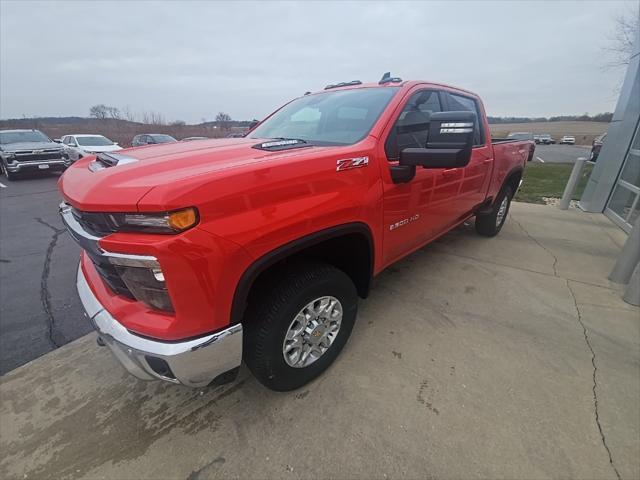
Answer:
(189, 60)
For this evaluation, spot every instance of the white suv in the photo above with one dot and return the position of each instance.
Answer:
(568, 140)
(87, 144)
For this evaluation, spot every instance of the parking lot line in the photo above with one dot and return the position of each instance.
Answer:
(3, 185)
(538, 158)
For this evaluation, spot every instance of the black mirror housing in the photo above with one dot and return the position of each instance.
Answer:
(449, 145)
(435, 157)
(451, 130)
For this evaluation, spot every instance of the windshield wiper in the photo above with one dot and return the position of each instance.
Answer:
(289, 139)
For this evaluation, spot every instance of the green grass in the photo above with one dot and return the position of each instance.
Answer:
(549, 180)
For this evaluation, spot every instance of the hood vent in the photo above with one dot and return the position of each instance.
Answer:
(107, 160)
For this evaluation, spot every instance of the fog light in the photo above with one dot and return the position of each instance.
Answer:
(157, 273)
(144, 278)
(145, 286)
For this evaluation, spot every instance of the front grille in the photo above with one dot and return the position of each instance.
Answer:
(97, 224)
(44, 155)
(110, 275)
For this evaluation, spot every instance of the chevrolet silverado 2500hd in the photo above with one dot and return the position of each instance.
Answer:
(30, 151)
(197, 255)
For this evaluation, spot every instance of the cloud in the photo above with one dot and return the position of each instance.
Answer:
(191, 59)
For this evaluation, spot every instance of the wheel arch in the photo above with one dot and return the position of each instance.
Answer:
(513, 179)
(348, 247)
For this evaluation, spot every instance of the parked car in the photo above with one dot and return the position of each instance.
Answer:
(521, 136)
(30, 151)
(259, 247)
(568, 140)
(190, 139)
(151, 139)
(536, 138)
(596, 146)
(80, 145)
(547, 139)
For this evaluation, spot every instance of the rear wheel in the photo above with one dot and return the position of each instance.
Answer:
(490, 224)
(298, 324)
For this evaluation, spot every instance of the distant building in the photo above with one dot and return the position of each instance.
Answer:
(614, 185)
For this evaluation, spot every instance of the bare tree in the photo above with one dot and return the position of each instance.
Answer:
(223, 120)
(99, 111)
(156, 118)
(128, 114)
(620, 47)
(114, 113)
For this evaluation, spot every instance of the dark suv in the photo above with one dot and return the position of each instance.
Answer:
(30, 151)
(151, 139)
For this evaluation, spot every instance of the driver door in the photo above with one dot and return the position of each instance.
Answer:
(420, 209)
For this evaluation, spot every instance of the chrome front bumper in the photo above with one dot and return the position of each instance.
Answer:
(17, 166)
(194, 363)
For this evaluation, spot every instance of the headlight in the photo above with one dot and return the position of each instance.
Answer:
(10, 157)
(166, 222)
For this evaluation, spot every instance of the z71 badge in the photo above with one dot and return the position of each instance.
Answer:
(349, 163)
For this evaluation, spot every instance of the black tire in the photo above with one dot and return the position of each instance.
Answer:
(487, 224)
(280, 298)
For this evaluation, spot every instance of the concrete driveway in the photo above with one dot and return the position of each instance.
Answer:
(510, 357)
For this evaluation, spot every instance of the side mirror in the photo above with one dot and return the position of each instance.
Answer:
(448, 146)
(57, 140)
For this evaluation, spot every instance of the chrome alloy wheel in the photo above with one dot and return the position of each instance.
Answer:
(502, 211)
(312, 332)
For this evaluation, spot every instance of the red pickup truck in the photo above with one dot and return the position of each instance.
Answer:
(197, 255)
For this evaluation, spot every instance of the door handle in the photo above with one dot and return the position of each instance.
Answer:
(488, 160)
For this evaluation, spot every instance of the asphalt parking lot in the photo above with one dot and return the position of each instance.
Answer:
(560, 153)
(510, 357)
(39, 306)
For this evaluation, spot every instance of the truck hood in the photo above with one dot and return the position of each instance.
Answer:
(30, 146)
(119, 188)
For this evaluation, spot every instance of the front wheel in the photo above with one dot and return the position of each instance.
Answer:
(297, 324)
(490, 224)
(10, 175)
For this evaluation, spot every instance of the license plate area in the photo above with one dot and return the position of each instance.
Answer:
(43, 167)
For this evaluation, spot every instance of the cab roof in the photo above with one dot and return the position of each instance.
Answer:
(405, 84)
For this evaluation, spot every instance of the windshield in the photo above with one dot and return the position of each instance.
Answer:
(20, 137)
(97, 141)
(341, 117)
(163, 138)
